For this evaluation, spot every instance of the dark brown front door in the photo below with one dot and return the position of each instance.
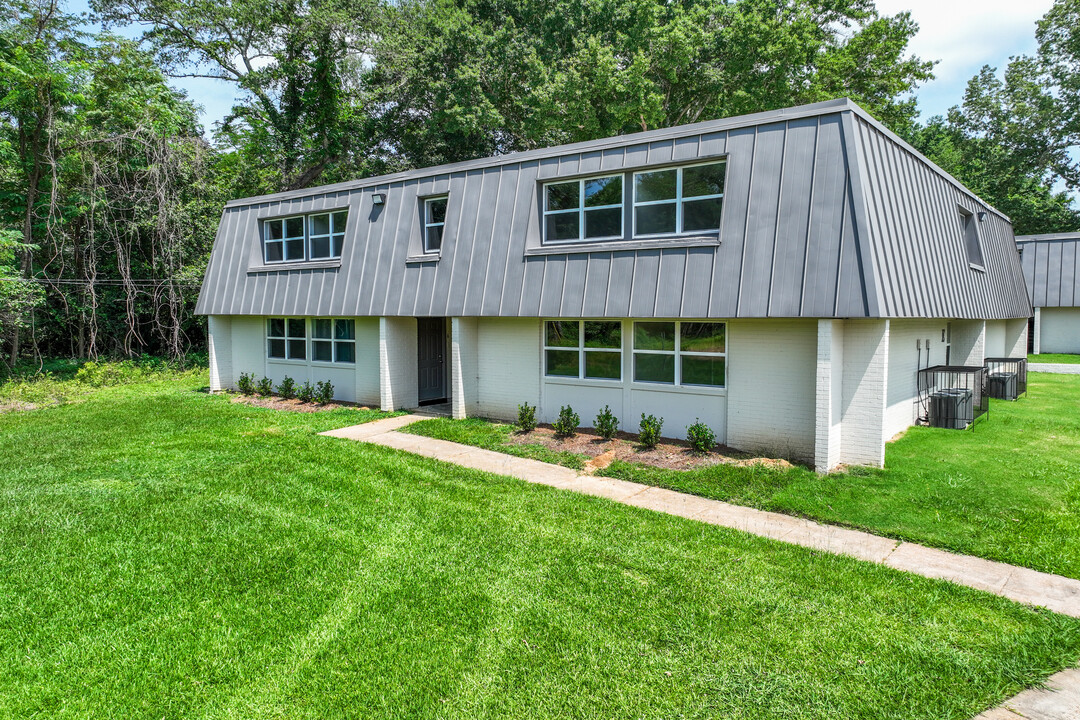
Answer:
(431, 366)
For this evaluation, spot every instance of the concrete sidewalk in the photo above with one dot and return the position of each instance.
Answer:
(1060, 369)
(1023, 585)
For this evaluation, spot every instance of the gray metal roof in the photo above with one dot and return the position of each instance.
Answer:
(1052, 268)
(826, 214)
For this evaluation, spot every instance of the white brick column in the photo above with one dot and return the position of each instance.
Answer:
(219, 342)
(865, 392)
(827, 426)
(464, 366)
(397, 363)
(968, 342)
(1016, 338)
(1038, 331)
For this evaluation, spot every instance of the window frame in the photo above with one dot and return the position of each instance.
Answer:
(581, 350)
(582, 209)
(678, 200)
(428, 225)
(677, 354)
(333, 340)
(287, 339)
(969, 234)
(306, 219)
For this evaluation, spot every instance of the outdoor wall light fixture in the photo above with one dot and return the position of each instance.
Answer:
(378, 198)
(982, 216)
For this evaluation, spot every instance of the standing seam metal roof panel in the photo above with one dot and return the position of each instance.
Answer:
(1051, 268)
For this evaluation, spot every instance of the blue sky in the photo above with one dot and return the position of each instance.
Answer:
(963, 35)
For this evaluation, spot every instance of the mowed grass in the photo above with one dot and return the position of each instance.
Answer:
(1054, 358)
(165, 553)
(1009, 490)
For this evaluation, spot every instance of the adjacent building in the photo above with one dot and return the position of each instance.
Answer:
(1052, 271)
(780, 276)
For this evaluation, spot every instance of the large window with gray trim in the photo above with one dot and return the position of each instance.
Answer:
(583, 349)
(678, 200)
(585, 209)
(299, 238)
(680, 353)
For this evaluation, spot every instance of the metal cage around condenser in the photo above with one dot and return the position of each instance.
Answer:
(952, 396)
(1006, 378)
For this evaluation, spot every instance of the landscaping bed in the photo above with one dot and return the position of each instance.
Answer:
(294, 405)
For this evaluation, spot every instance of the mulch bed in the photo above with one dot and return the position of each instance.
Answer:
(294, 405)
(669, 453)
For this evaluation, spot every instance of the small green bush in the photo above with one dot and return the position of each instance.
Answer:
(606, 423)
(306, 393)
(649, 430)
(567, 424)
(265, 387)
(526, 421)
(246, 384)
(287, 388)
(700, 436)
(324, 392)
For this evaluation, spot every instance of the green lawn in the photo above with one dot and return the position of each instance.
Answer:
(1054, 358)
(1009, 490)
(166, 553)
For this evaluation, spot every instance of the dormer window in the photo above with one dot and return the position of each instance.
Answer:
(434, 222)
(319, 236)
(970, 227)
(679, 200)
(588, 209)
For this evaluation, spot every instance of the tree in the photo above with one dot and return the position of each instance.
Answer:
(455, 79)
(19, 297)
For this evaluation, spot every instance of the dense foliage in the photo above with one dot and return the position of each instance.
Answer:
(110, 190)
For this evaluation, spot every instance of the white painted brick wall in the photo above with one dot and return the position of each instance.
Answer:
(996, 332)
(1037, 340)
(219, 343)
(1059, 330)
(464, 372)
(772, 387)
(908, 340)
(968, 342)
(397, 363)
(508, 365)
(829, 362)
(1016, 338)
(866, 372)
(248, 346)
(367, 362)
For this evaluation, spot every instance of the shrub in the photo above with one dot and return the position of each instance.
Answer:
(568, 422)
(324, 392)
(287, 388)
(606, 423)
(306, 393)
(700, 436)
(246, 384)
(649, 430)
(526, 417)
(265, 387)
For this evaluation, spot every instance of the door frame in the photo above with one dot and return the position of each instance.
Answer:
(429, 324)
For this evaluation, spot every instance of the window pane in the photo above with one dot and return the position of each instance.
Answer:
(320, 224)
(322, 351)
(562, 363)
(274, 229)
(275, 348)
(274, 251)
(702, 370)
(294, 249)
(346, 352)
(297, 349)
(701, 214)
(563, 196)
(654, 368)
(702, 337)
(603, 335)
(603, 223)
(564, 226)
(604, 365)
(320, 247)
(562, 334)
(320, 328)
(340, 218)
(275, 327)
(296, 328)
(654, 219)
(344, 330)
(294, 227)
(654, 336)
(703, 180)
(659, 185)
(434, 238)
(436, 210)
(603, 191)
(339, 242)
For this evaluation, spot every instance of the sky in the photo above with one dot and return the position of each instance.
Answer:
(963, 35)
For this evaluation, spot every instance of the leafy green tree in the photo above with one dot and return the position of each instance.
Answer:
(19, 297)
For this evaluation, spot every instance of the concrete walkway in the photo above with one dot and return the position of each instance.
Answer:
(1059, 368)
(1059, 701)
(1031, 587)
